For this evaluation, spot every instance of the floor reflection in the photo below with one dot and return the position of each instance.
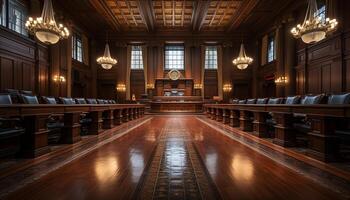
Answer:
(106, 168)
(242, 169)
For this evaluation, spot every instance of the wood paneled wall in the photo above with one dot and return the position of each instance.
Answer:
(312, 69)
(26, 64)
(155, 68)
(23, 63)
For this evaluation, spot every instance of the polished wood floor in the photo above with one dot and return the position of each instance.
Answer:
(115, 170)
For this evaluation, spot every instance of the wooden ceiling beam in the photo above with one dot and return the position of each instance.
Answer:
(199, 14)
(173, 4)
(163, 13)
(122, 12)
(183, 12)
(131, 12)
(147, 13)
(245, 9)
(216, 10)
(102, 7)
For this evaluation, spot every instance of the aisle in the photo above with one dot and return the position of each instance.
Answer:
(161, 160)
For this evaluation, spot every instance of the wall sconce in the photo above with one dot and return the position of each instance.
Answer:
(197, 86)
(281, 80)
(227, 88)
(150, 86)
(121, 88)
(59, 79)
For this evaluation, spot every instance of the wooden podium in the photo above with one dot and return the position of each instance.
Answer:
(177, 104)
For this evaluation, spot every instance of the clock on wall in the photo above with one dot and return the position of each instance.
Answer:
(174, 74)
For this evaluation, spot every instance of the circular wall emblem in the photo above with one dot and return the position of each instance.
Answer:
(174, 74)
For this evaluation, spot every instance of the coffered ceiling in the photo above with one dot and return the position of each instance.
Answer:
(173, 16)
(193, 15)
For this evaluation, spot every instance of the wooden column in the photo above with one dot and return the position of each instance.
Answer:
(125, 115)
(323, 143)
(259, 124)
(219, 114)
(284, 135)
(97, 122)
(71, 130)
(225, 116)
(118, 117)
(108, 120)
(131, 114)
(245, 121)
(213, 113)
(35, 142)
(234, 118)
(136, 113)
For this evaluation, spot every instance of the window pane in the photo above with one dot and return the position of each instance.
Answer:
(211, 57)
(17, 17)
(271, 50)
(77, 48)
(174, 57)
(3, 14)
(136, 57)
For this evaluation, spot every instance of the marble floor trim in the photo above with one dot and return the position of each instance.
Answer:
(15, 181)
(335, 183)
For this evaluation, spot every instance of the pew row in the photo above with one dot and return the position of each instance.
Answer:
(322, 140)
(34, 118)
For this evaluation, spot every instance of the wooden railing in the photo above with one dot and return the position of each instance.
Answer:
(322, 141)
(34, 117)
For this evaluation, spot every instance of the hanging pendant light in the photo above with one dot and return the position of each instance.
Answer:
(313, 29)
(242, 61)
(45, 28)
(106, 61)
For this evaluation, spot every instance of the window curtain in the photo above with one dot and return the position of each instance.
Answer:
(202, 68)
(220, 92)
(128, 73)
(145, 62)
(264, 44)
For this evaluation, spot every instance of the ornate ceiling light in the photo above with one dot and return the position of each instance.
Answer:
(242, 61)
(45, 27)
(313, 29)
(106, 61)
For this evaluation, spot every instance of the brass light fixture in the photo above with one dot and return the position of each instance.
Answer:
(45, 28)
(314, 28)
(59, 79)
(227, 88)
(281, 80)
(121, 88)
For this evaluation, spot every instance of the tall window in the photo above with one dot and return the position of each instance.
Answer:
(136, 57)
(17, 16)
(174, 57)
(321, 11)
(77, 48)
(2, 13)
(211, 57)
(271, 53)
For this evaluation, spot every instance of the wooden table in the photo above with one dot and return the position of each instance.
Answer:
(35, 140)
(323, 143)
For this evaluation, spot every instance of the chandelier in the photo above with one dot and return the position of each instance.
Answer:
(45, 27)
(242, 61)
(314, 28)
(106, 61)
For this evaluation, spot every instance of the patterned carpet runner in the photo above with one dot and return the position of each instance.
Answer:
(176, 171)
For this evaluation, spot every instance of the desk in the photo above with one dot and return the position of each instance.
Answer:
(323, 144)
(35, 142)
(177, 107)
